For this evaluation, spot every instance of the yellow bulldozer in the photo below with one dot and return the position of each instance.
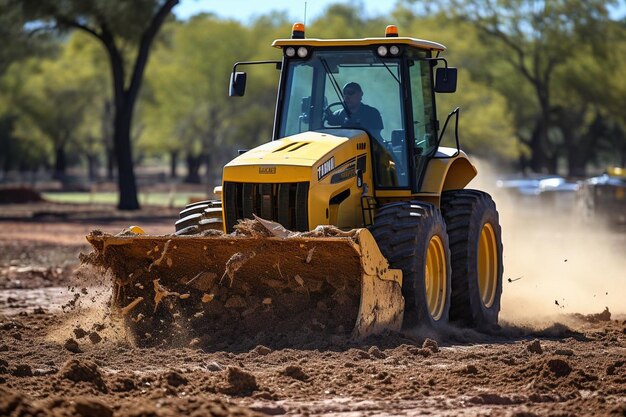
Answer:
(352, 221)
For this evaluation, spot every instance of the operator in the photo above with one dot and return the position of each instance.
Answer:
(359, 115)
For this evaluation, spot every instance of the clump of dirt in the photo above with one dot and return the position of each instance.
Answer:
(259, 227)
(83, 371)
(558, 367)
(431, 345)
(22, 370)
(262, 350)
(240, 382)
(175, 379)
(295, 372)
(605, 315)
(79, 332)
(535, 347)
(72, 345)
(87, 407)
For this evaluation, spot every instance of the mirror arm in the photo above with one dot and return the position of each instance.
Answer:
(434, 60)
(278, 64)
(456, 113)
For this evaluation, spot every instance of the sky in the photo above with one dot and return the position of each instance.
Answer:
(243, 10)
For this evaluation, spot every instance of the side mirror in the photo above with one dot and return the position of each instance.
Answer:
(446, 80)
(237, 84)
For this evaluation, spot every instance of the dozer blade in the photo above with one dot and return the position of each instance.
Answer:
(221, 289)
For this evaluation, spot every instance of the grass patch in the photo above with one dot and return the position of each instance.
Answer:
(153, 199)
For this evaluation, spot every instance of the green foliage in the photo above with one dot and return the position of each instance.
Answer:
(190, 111)
(56, 104)
(546, 59)
(539, 82)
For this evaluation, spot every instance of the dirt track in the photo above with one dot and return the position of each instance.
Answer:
(76, 361)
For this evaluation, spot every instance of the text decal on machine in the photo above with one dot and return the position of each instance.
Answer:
(325, 168)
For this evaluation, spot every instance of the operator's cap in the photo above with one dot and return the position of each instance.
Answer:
(352, 88)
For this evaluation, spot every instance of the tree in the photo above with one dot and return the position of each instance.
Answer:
(117, 25)
(537, 39)
(16, 43)
(190, 113)
(486, 127)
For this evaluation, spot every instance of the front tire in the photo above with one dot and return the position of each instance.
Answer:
(476, 246)
(412, 236)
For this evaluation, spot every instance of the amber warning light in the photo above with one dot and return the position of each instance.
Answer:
(391, 31)
(297, 32)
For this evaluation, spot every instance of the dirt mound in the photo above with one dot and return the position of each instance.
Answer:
(19, 195)
(605, 315)
(83, 371)
(240, 382)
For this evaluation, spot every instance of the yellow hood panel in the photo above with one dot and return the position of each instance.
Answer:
(304, 149)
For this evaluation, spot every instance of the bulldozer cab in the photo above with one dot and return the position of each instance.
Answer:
(314, 89)
(395, 86)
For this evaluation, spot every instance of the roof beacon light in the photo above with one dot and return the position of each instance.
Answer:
(391, 31)
(297, 31)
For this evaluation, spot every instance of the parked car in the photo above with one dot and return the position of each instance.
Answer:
(540, 192)
(603, 198)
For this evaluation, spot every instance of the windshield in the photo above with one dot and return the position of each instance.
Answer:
(349, 89)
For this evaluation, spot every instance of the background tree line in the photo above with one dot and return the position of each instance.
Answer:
(103, 85)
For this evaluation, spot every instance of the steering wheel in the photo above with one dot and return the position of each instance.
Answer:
(336, 103)
(327, 111)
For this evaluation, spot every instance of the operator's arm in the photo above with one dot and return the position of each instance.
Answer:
(334, 119)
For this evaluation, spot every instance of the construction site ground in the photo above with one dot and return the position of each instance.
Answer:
(557, 352)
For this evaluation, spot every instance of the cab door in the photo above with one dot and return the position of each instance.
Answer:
(424, 118)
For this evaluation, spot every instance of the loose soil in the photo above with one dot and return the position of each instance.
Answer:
(63, 354)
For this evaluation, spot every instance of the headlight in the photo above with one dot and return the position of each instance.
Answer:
(290, 52)
(382, 50)
(302, 52)
(394, 50)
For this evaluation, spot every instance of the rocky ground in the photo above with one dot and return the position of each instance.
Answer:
(61, 354)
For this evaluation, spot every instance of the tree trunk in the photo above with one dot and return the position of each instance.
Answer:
(173, 164)
(107, 138)
(60, 163)
(92, 167)
(110, 164)
(125, 98)
(123, 151)
(193, 169)
(538, 157)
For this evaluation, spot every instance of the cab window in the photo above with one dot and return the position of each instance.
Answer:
(315, 87)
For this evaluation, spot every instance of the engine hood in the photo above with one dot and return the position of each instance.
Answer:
(302, 150)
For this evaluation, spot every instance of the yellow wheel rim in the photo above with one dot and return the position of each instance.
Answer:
(436, 277)
(487, 265)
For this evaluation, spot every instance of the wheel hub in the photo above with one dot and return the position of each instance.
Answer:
(436, 274)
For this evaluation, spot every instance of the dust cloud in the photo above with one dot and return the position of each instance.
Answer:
(89, 311)
(555, 264)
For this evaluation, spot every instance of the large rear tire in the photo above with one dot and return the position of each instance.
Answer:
(412, 236)
(476, 247)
